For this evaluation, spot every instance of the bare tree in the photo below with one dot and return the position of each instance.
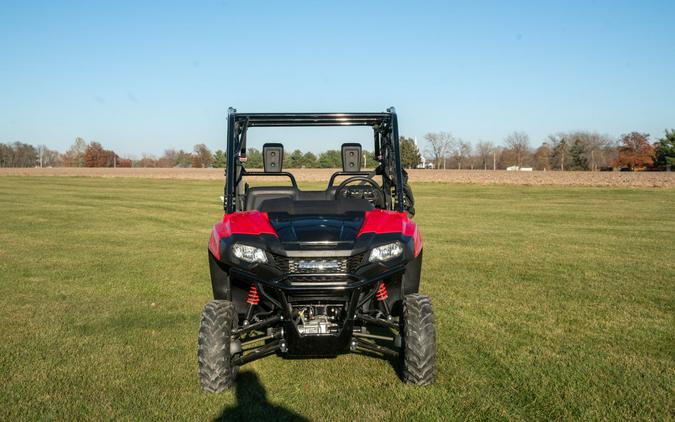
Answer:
(202, 156)
(485, 153)
(593, 147)
(581, 150)
(440, 143)
(461, 151)
(542, 157)
(74, 157)
(147, 161)
(6, 155)
(168, 159)
(18, 154)
(47, 157)
(519, 144)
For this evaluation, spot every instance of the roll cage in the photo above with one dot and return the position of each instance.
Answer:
(385, 137)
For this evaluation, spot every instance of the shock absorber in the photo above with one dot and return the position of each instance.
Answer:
(253, 299)
(382, 296)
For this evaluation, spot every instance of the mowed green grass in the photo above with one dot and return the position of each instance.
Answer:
(551, 303)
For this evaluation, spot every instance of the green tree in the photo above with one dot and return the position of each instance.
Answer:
(309, 160)
(254, 158)
(410, 155)
(330, 159)
(578, 155)
(370, 161)
(665, 149)
(219, 159)
(183, 159)
(295, 161)
(560, 152)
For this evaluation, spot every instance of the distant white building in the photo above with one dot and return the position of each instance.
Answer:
(423, 164)
(516, 168)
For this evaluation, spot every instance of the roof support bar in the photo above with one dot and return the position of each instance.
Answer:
(386, 137)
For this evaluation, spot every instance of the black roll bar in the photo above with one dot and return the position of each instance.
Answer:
(385, 127)
(279, 173)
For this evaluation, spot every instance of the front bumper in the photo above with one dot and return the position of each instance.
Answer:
(282, 291)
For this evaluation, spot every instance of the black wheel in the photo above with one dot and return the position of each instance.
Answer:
(216, 372)
(419, 340)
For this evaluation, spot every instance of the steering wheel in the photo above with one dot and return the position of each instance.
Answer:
(372, 193)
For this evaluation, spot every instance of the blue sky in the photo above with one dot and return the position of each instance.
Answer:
(143, 76)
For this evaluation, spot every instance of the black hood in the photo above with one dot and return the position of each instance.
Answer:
(294, 229)
(314, 222)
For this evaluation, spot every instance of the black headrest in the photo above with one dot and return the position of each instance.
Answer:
(273, 157)
(351, 157)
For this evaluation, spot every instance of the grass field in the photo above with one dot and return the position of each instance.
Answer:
(551, 303)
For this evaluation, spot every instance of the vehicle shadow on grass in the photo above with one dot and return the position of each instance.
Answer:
(252, 403)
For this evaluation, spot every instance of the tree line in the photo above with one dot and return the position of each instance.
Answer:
(578, 150)
(93, 154)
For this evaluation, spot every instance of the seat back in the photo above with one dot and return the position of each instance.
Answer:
(315, 207)
(256, 195)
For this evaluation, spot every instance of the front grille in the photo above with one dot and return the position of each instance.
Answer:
(318, 265)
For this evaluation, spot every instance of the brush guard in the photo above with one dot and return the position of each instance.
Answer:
(371, 331)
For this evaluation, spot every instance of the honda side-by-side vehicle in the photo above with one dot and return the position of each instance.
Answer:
(316, 273)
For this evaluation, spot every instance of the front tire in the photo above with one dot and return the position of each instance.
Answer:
(216, 372)
(419, 340)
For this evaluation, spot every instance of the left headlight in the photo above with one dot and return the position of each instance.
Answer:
(386, 252)
(249, 253)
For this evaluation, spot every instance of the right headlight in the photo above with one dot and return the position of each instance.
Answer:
(386, 252)
(249, 253)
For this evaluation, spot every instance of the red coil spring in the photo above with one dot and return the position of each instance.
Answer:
(253, 298)
(382, 293)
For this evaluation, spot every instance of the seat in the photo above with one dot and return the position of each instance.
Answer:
(256, 195)
(315, 207)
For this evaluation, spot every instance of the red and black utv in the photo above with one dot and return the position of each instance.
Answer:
(303, 273)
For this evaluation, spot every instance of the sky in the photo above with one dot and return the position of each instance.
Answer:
(140, 77)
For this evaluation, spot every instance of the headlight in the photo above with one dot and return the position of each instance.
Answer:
(249, 253)
(386, 252)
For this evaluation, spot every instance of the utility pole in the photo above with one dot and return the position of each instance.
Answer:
(494, 160)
